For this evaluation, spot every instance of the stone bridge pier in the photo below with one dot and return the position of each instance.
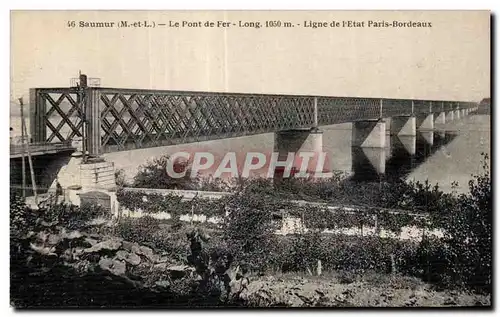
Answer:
(296, 150)
(440, 117)
(425, 121)
(368, 149)
(450, 115)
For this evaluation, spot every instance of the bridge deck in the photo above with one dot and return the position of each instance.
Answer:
(36, 149)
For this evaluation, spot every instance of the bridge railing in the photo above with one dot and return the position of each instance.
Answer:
(123, 119)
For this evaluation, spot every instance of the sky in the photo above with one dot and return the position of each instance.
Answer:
(449, 61)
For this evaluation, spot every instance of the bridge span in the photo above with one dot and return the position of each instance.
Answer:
(111, 120)
(114, 119)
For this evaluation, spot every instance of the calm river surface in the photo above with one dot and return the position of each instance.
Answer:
(455, 156)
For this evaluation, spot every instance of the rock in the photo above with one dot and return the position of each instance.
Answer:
(145, 250)
(90, 241)
(98, 222)
(160, 266)
(304, 298)
(43, 250)
(135, 249)
(163, 259)
(450, 301)
(42, 236)
(320, 292)
(162, 283)
(112, 244)
(122, 255)
(148, 253)
(113, 266)
(179, 271)
(411, 302)
(133, 259)
(126, 245)
(77, 252)
(49, 224)
(53, 239)
(130, 258)
(73, 235)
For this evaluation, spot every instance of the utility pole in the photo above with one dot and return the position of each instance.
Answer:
(25, 134)
(23, 146)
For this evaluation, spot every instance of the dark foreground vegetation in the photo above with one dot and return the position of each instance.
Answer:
(62, 257)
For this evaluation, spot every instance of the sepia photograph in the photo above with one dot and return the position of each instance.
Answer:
(250, 159)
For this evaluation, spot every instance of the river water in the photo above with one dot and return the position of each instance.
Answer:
(454, 156)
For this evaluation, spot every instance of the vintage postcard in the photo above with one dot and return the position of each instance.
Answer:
(250, 159)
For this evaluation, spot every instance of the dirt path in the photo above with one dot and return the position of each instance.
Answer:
(386, 292)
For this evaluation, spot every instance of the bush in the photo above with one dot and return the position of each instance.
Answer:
(469, 233)
(148, 231)
(344, 253)
(120, 178)
(464, 256)
(248, 230)
(153, 174)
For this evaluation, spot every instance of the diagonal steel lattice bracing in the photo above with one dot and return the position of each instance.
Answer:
(61, 106)
(122, 119)
(333, 110)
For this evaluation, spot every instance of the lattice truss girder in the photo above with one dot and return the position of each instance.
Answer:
(146, 119)
(65, 110)
(333, 110)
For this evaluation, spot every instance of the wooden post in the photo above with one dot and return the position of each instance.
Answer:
(23, 146)
(303, 225)
(393, 264)
(33, 183)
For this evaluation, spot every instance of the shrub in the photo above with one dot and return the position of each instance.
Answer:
(468, 229)
(153, 174)
(464, 257)
(248, 229)
(120, 178)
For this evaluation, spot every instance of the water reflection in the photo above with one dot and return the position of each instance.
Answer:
(407, 153)
(400, 157)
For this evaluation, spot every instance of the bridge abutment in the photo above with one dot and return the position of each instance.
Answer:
(93, 175)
